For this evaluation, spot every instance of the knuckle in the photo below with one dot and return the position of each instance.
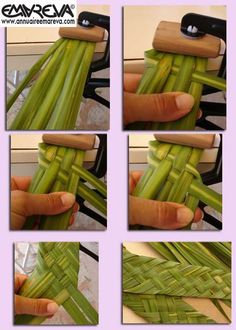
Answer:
(165, 212)
(37, 307)
(160, 101)
(24, 203)
(159, 210)
(53, 201)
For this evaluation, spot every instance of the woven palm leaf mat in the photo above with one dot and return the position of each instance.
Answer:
(61, 169)
(56, 277)
(172, 176)
(158, 288)
(165, 72)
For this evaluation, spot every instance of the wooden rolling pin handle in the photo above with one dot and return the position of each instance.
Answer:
(94, 34)
(78, 141)
(203, 141)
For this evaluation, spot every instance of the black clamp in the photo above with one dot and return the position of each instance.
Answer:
(212, 177)
(89, 252)
(89, 19)
(195, 26)
(99, 169)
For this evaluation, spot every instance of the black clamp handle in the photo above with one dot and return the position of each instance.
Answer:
(89, 252)
(89, 19)
(203, 24)
(99, 169)
(195, 26)
(212, 177)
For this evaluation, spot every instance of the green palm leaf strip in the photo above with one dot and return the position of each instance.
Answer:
(196, 253)
(172, 176)
(61, 169)
(153, 288)
(54, 99)
(166, 72)
(56, 277)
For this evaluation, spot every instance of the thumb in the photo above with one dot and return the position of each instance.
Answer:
(38, 307)
(28, 204)
(162, 215)
(161, 107)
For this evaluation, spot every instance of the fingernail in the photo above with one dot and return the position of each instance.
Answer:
(68, 199)
(202, 216)
(184, 102)
(184, 215)
(76, 209)
(72, 219)
(52, 308)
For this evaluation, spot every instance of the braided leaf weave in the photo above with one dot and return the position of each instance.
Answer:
(156, 276)
(172, 176)
(61, 169)
(167, 72)
(163, 309)
(153, 288)
(56, 277)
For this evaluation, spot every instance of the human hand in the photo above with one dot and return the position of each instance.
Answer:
(162, 215)
(162, 107)
(38, 307)
(24, 204)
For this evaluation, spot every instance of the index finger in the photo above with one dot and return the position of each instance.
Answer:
(131, 81)
(19, 281)
(134, 177)
(20, 182)
(198, 215)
